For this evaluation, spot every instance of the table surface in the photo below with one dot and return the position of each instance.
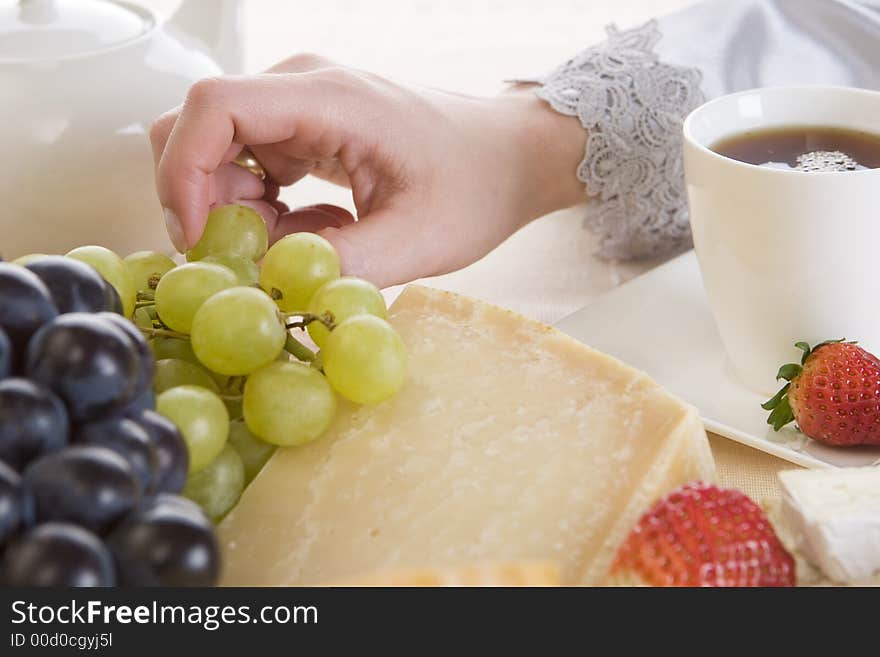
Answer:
(547, 270)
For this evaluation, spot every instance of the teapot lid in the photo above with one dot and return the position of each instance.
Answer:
(48, 29)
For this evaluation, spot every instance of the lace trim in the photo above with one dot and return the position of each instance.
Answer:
(633, 107)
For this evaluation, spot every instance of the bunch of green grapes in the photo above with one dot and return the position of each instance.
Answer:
(230, 371)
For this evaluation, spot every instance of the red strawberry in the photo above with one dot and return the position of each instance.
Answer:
(833, 394)
(702, 535)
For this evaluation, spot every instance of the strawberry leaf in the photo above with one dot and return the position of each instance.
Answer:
(827, 342)
(772, 403)
(778, 405)
(781, 415)
(789, 371)
(805, 347)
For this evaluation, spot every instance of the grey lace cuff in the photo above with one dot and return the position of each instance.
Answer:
(633, 107)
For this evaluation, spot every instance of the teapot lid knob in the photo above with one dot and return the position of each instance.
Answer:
(52, 29)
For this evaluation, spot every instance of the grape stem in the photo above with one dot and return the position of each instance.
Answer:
(144, 304)
(165, 333)
(235, 384)
(298, 349)
(146, 295)
(307, 318)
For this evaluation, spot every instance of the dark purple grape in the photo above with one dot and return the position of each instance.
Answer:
(5, 355)
(165, 542)
(57, 554)
(172, 457)
(33, 421)
(25, 305)
(86, 361)
(11, 504)
(112, 302)
(146, 401)
(140, 345)
(128, 439)
(84, 484)
(74, 285)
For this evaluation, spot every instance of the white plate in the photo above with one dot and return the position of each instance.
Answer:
(660, 323)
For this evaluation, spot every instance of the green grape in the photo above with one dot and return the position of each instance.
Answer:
(365, 359)
(202, 419)
(232, 230)
(165, 347)
(183, 289)
(25, 259)
(143, 318)
(143, 265)
(112, 269)
(295, 267)
(288, 404)
(246, 271)
(217, 487)
(343, 298)
(173, 372)
(237, 331)
(253, 452)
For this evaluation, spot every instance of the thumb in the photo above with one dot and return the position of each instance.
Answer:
(387, 248)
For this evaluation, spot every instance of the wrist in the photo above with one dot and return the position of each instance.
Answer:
(547, 148)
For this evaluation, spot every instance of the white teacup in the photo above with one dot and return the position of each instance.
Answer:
(785, 255)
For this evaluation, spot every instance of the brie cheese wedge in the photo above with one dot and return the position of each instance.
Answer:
(835, 516)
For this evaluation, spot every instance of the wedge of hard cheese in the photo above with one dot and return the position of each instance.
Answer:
(509, 441)
(514, 573)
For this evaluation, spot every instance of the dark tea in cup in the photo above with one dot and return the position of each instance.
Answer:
(804, 148)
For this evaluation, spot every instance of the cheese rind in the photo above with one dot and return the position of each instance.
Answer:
(835, 516)
(509, 441)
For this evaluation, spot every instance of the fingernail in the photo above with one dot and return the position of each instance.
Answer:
(175, 231)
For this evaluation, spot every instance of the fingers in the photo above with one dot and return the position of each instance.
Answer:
(231, 182)
(271, 197)
(344, 215)
(299, 63)
(387, 248)
(160, 131)
(279, 166)
(331, 171)
(302, 63)
(272, 190)
(311, 219)
(314, 114)
(280, 206)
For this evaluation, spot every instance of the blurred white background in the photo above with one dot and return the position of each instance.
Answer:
(469, 45)
(547, 269)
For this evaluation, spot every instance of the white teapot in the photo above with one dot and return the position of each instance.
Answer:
(80, 83)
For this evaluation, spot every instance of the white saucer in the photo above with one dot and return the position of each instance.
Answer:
(660, 323)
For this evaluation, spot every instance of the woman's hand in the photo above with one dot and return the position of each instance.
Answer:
(438, 179)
